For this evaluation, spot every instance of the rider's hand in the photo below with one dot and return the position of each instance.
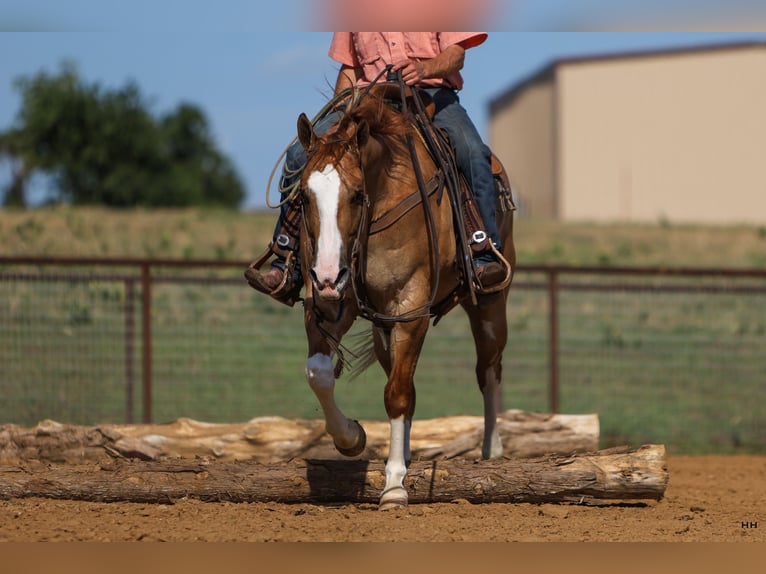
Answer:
(413, 72)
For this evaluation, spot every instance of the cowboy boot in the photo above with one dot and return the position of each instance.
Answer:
(491, 275)
(283, 280)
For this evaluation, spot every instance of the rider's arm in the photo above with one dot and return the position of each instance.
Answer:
(445, 64)
(347, 77)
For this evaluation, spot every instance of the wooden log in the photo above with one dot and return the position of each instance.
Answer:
(270, 439)
(600, 477)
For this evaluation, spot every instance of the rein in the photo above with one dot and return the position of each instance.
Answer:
(439, 152)
(446, 176)
(289, 192)
(422, 196)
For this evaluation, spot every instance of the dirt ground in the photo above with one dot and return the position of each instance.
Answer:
(708, 499)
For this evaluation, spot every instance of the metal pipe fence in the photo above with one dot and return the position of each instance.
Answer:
(662, 355)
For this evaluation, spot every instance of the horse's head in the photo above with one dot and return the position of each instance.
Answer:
(333, 189)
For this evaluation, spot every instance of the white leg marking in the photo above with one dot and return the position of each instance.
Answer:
(321, 379)
(325, 185)
(394, 494)
(492, 446)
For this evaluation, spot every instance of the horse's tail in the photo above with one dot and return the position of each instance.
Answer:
(363, 353)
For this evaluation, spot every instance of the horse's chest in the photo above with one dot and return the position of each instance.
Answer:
(382, 275)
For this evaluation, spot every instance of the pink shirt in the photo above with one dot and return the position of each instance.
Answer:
(372, 51)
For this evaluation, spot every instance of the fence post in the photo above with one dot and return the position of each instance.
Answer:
(553, 341)
(130, 328)
(146, 341)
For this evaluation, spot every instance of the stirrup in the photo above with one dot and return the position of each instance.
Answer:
(490, 247)
(288, 291)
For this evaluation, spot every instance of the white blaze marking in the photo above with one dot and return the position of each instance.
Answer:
(325, 185)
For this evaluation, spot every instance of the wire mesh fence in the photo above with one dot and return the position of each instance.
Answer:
(662, 357)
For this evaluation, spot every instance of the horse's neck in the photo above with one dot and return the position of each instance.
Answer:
(389, 182)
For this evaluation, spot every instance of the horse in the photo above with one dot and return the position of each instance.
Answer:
(395, 273)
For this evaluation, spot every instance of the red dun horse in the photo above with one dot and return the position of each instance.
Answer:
(357, 173)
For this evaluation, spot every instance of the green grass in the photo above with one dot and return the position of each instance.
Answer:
(686, 370)
(222, 234)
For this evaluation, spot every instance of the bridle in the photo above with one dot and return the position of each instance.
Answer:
(358, 251)
(447, 176)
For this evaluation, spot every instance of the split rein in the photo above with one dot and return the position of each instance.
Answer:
(358, 251)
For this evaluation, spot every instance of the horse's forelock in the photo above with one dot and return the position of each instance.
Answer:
(332, 145)
(383, 120)
(386, 124)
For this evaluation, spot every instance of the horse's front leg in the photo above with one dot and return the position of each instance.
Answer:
(401, 356)
(347, 434)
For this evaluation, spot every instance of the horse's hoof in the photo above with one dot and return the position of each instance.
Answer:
(360, 445)
(393, 500)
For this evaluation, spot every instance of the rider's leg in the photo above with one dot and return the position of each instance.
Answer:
(282, 278)
(473, 158)
(285, 239)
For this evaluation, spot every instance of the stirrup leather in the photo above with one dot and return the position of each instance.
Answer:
(287, 291)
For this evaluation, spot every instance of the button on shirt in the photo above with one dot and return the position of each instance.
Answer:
(370, 52)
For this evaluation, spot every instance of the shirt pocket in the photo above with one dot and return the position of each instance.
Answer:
(367, 48)
(370, 59)
(419, 49)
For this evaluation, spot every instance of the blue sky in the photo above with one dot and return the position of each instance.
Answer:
(254, 70)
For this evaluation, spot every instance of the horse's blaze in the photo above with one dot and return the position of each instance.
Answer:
(325, 187)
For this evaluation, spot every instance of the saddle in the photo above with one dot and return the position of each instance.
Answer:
(468, 222)
(466, 215)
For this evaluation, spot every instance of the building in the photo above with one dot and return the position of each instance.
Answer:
(676, 136)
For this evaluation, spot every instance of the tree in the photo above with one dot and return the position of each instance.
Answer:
(9, 148)
(105, 147)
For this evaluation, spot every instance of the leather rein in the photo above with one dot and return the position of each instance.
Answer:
(446, 176)
(367, 227)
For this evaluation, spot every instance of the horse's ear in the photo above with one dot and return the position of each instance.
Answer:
(306, 134)
(362, 133)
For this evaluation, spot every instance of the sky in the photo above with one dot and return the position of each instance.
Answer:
(254, 68)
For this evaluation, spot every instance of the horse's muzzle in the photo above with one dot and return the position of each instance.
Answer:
(331, 290)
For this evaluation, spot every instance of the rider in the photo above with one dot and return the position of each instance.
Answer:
(432, 61)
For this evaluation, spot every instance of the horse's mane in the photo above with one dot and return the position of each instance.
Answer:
(387, 125)
(383, 119)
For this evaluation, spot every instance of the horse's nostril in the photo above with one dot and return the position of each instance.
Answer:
(342, 280)
(339, 284)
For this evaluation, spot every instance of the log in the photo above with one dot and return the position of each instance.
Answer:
(601, 477)
(271, 439)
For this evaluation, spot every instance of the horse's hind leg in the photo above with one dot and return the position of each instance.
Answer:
(348, 435)
(490, 333)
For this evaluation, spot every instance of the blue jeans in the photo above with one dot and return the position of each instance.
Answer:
(472, 155)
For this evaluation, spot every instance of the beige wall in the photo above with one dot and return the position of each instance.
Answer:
(521, 135)
(678, 137)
